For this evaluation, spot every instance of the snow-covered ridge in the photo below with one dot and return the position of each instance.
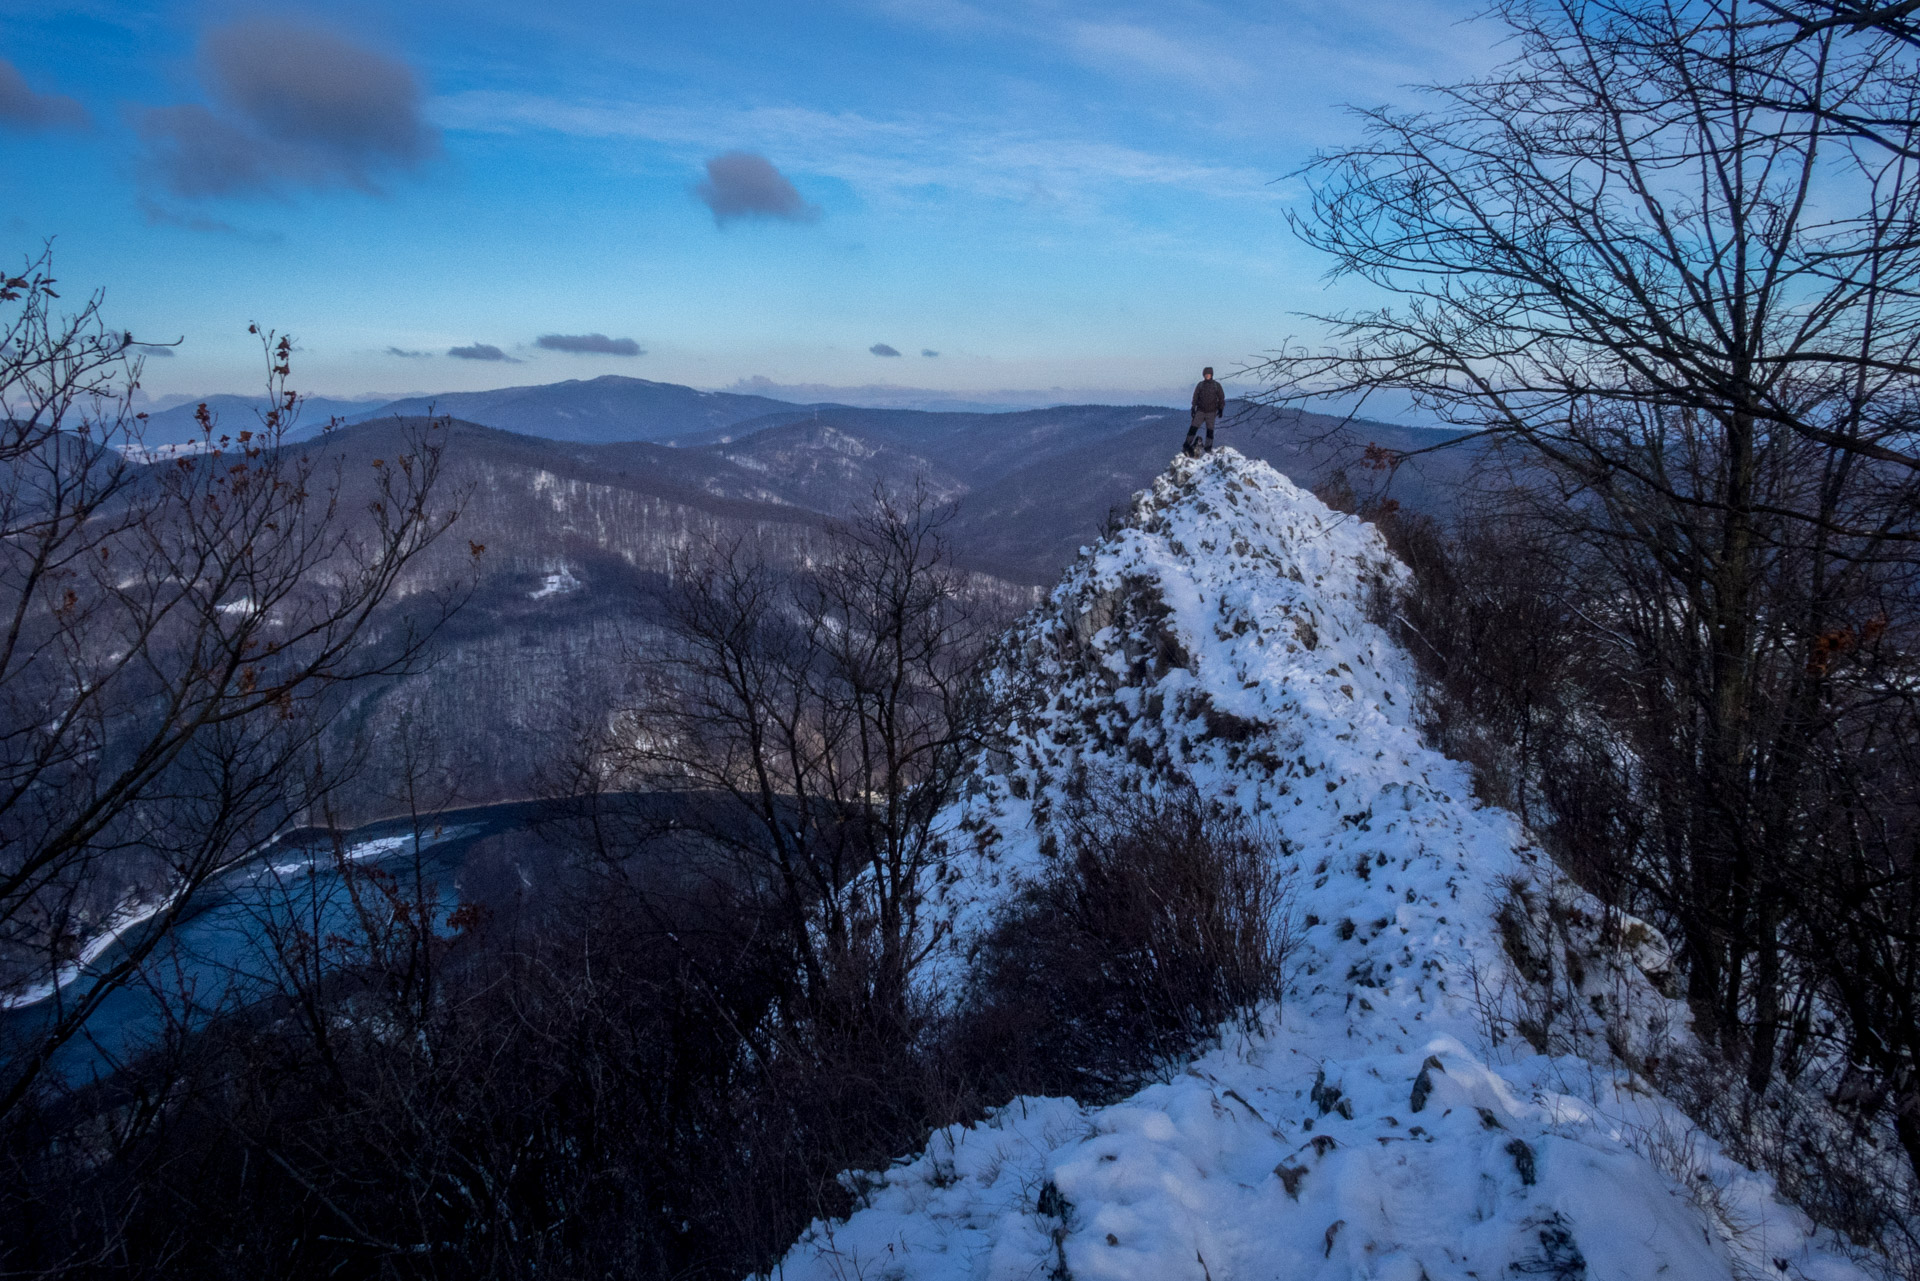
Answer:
(1388, 1124)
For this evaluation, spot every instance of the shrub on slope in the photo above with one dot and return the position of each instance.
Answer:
(1165, 918)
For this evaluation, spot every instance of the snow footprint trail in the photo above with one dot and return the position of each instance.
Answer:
(1373, 1130)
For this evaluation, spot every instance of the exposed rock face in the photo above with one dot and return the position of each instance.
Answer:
(1398, 1118)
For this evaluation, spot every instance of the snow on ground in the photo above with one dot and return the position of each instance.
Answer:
(1387, 1123)
(555, 584)
(316, 859)
(134, 911)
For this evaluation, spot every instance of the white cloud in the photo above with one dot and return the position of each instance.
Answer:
(885, 160)
(1130, 48)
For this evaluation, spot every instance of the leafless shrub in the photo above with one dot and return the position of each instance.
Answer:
(1165, 918)
(1835, 1163)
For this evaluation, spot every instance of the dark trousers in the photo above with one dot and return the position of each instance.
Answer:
(1193, 432)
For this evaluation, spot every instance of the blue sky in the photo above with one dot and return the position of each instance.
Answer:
(1081, 196)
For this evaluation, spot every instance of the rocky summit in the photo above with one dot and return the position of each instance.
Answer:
(1454, 1086)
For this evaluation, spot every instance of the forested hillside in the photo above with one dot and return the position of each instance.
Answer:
(579, 539)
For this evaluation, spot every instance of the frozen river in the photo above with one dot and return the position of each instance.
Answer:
(222, 956)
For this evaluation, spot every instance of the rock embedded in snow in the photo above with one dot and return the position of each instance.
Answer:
(1392, 1121)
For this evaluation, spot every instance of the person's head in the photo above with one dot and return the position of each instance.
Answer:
(1207, 372)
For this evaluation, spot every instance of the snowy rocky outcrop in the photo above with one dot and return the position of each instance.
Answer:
(1448, 1091)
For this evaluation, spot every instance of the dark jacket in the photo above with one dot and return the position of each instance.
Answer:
(1209, 397)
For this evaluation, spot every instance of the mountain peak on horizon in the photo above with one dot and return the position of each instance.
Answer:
(605, 409)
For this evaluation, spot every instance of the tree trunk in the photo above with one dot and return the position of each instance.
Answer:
(1733, 864)
(1906, 1123)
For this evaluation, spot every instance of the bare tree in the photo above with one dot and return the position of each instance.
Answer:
(1615, 218)
(831, 707)
(176, 623)
(1811, 19)
(1666, 261)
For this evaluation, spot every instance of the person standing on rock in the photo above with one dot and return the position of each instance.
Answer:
(1209, 398)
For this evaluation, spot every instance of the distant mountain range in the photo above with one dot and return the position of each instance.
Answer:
(583, 493)
(599, 410)
(613, 408)
(894, 396)
(1030, 485)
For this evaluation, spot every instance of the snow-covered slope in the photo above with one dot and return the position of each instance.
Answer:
(1394, 1120)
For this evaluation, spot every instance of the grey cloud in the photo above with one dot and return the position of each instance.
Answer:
(590, 344)
(741, 184)
(298, 108)
(22, 108)
(881, 349)
(197, 154)
(160, 216)
(928, 351)
(146, 349)
(481, 351)
(410, 355)
(310, 88)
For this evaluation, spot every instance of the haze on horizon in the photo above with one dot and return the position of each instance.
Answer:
(938, 194)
